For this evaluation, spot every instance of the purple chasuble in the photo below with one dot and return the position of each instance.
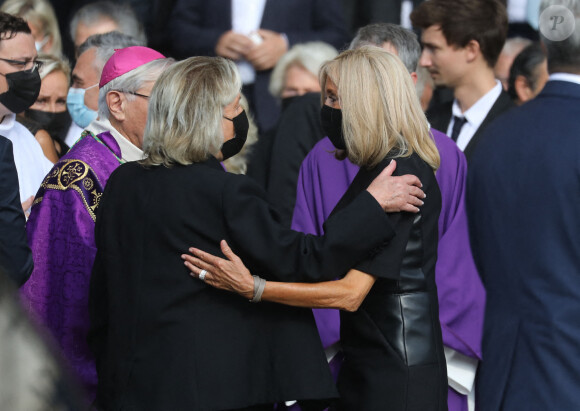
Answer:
(321, 183)
(61, 235)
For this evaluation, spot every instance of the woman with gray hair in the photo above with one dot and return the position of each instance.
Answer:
(163, 341)
(296, 73)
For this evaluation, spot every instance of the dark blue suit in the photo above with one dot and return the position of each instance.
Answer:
(196, 25)
(15, 255)
(523, 197)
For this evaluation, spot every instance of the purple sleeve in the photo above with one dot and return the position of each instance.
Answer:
(461, 293)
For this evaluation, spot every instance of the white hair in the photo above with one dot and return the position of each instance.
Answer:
(310, 56)
(131, 82)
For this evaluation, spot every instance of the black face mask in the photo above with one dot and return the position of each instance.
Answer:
(23, 89)
(287, 101)
(57, 124)
(331, 120)
(241, 127)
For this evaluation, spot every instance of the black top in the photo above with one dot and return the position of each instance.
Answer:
(164, 340)
(393, 346)
(15, 255)
(277, 156)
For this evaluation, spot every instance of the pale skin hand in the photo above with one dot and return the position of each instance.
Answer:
(265, 55)
(232, 275)
(233, 45)
(26, 205)
(394, 194)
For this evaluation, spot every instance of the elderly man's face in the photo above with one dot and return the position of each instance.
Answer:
(136, 114)
(83, 31)
(85, 75)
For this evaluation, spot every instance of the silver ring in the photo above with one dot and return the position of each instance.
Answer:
(202, 275)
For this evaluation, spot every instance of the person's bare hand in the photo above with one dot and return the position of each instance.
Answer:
(233, 45)
(26, 206)
(230, 275)
(394, 194)
(265, 55)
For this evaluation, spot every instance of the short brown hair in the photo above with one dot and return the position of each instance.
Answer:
(11, 25)
(461, 21)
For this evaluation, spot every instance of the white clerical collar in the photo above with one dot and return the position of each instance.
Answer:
(573, 78)
(477, 112)
(129, 151)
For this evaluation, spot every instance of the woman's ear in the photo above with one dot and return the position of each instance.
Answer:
(116, 104)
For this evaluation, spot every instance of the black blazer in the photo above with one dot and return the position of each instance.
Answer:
(164, 340)
(196, 25)
(15, 255)
(440, 116)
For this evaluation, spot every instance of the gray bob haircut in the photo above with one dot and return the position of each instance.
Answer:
(403, 40)
(131, 82)
(310, 56)
(564, 55)
(121, 14)
(184, 124)
(105, 45)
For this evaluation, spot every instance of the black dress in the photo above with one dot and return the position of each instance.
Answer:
(166, 341)
(393, 347)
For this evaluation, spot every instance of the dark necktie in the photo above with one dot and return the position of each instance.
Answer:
(458, 122)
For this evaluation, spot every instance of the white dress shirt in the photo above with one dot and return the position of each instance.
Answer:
(31, 164)
(246, 19)
(474, 115)
(573, 78)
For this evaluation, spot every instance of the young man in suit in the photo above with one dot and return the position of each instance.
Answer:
(462, 40)
(523, 193)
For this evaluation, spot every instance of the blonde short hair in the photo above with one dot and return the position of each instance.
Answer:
(184, 124)
(380, 108)
(52, 63)
(41, 14)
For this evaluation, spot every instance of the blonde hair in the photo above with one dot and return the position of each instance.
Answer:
(380, 109)
(52, 63)
(41, 14)
(184, 124)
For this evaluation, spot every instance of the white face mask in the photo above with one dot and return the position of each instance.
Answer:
(40, 44)
(75, 102)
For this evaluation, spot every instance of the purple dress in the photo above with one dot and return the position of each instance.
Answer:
(61, 235)
(322, 182)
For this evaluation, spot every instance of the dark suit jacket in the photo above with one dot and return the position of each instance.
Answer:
(164, 340)
(196, 25)
(276, 158)
(440, 116)
(523, 197)
(15, 255)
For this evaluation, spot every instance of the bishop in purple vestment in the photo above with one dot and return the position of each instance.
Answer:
(62, 220)
(321, 183)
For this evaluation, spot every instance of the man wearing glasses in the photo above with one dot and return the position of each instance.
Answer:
(19, 88)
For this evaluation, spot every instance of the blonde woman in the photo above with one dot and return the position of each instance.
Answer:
(48, 119)
(390, 330)
(163, 341)
(42, 22)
